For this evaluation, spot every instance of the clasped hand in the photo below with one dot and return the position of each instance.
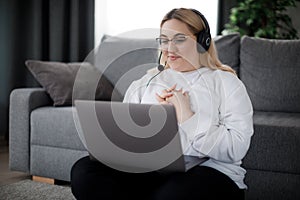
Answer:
(179, 99)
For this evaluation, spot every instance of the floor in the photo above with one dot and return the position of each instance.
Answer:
(7, 176)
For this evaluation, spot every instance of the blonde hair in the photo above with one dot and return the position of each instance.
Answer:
(195, 25)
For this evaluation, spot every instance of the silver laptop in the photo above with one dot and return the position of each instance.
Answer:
(133, 137)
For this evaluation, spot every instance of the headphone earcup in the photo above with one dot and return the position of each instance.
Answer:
(203, 40)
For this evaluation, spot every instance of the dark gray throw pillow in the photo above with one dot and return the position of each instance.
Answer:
(270, 70)
(59, 79)
(228, 47)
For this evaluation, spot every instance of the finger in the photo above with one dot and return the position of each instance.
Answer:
(162, 97)
(171, 99)
(165, 95)
(178, 92)
(172, 88)
(166, 91)
(159, 98)
(185, 93)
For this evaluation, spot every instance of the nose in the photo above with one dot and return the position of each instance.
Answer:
(171, 47)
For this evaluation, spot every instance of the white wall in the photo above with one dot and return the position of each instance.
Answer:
(114, 17)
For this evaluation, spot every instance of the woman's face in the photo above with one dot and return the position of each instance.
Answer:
(179, 46)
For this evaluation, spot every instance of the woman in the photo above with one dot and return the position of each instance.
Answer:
(214, 114)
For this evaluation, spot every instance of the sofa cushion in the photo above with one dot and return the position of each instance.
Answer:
(59, 79)
(123, 60)
(275, 145)
(268, 185)
(228, 47)
(54, 127)
(54, 162)
(270, 70)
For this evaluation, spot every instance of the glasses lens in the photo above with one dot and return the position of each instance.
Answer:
(162, 41)
(179, 40)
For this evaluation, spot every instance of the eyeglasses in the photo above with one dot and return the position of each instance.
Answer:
(177, 40)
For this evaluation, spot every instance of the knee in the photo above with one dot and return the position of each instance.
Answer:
(77, 176)
(78, 168)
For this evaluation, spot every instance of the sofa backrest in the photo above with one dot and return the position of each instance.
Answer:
(270, 70)
(228, 47)
(123, 60)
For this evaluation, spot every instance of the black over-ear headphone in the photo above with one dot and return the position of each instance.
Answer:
(203, 37)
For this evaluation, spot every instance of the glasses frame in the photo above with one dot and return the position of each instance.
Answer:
(176, 40)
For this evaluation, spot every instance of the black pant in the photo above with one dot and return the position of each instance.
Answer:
(94, 180)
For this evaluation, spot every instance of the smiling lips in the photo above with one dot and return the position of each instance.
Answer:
(173, 57)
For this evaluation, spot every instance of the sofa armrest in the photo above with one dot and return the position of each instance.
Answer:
(22, 102)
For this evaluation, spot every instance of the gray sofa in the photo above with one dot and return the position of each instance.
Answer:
(44, 140)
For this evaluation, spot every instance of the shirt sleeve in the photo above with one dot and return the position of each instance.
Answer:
(227, 139)
(132, 94)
